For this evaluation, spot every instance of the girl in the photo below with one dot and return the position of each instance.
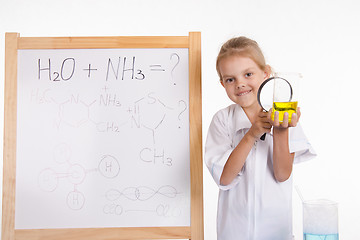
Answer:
(254, 176)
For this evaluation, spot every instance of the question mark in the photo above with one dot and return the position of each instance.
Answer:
(183, 110)
(177, 62)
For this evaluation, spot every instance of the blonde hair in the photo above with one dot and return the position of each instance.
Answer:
(242, 46)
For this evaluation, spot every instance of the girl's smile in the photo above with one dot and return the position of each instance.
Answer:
(243, 93)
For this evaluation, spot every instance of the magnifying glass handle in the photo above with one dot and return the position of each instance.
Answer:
(263, 137)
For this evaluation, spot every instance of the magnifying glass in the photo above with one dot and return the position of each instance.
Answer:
(274, 89)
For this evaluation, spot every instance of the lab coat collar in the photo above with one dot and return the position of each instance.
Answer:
(241, 119)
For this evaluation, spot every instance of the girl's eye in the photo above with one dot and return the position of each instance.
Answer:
(248, 74)
(229, 80)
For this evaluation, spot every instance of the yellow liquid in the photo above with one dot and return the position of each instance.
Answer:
(283, 107)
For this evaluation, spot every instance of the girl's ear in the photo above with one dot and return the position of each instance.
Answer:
(267, 72)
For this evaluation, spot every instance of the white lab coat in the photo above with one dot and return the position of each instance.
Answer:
(254, 206)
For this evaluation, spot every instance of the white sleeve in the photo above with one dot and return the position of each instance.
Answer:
(218, 148)
(299, 144)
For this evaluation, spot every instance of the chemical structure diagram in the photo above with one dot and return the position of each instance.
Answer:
(147, 112)
(75, 112)
(49, 179)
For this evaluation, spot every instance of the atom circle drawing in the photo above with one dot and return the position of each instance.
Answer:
(76, 174)
(75, 200)
(109, 166)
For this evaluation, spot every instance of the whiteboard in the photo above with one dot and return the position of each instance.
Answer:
(102, 138)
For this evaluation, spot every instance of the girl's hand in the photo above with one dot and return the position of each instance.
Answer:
(285, 124)
(260, 126)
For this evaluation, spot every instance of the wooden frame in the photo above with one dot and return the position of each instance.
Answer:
(13, 42)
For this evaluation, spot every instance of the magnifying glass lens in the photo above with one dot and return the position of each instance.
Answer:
(272, 90)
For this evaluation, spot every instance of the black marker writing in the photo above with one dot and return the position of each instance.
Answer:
(112, 67)
(66, 71)
(72, 68)
(44, 69)
(126, 67)
(156, 67)
(89, 69)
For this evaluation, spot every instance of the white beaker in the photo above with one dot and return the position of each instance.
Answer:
(320, 220)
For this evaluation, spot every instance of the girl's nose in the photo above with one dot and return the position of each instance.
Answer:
(240, 84)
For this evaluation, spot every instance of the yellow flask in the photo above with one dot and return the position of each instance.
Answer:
(283, 107)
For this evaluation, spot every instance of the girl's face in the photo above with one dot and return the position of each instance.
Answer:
(241, 78)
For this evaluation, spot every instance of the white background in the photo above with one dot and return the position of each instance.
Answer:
(317, 38)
